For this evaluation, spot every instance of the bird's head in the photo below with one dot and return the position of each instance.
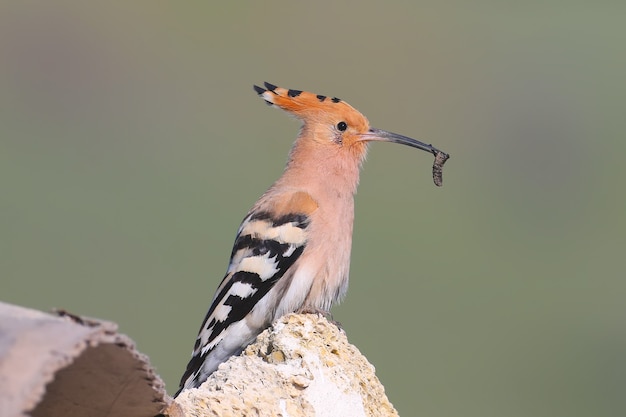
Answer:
(332, 123)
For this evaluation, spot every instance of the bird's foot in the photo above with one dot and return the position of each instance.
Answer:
(320, 312)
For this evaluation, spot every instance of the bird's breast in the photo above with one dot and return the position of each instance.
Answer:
(328, 255)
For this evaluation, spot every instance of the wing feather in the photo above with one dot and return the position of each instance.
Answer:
(266, 246)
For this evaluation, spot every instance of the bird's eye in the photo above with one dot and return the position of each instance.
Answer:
(342, 126)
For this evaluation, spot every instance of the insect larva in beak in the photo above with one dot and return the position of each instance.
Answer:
(440, 159)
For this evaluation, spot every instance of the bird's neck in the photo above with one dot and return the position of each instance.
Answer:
(322, 170)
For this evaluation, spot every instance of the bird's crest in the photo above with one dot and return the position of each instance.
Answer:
(300, 103)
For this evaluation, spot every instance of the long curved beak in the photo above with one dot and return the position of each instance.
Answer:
(379, 135)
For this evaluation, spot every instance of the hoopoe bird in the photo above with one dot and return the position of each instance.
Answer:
(292, 250)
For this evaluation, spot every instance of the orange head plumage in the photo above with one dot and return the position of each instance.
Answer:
(331, 123)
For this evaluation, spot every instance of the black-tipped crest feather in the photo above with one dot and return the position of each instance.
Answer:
(270, 87)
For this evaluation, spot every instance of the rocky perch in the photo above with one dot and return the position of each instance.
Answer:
(301, 366)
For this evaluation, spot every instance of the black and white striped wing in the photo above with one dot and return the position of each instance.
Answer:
(265, 248)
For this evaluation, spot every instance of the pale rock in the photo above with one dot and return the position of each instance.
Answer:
(301, 366)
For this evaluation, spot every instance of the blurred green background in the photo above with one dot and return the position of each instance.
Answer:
(132, 145)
